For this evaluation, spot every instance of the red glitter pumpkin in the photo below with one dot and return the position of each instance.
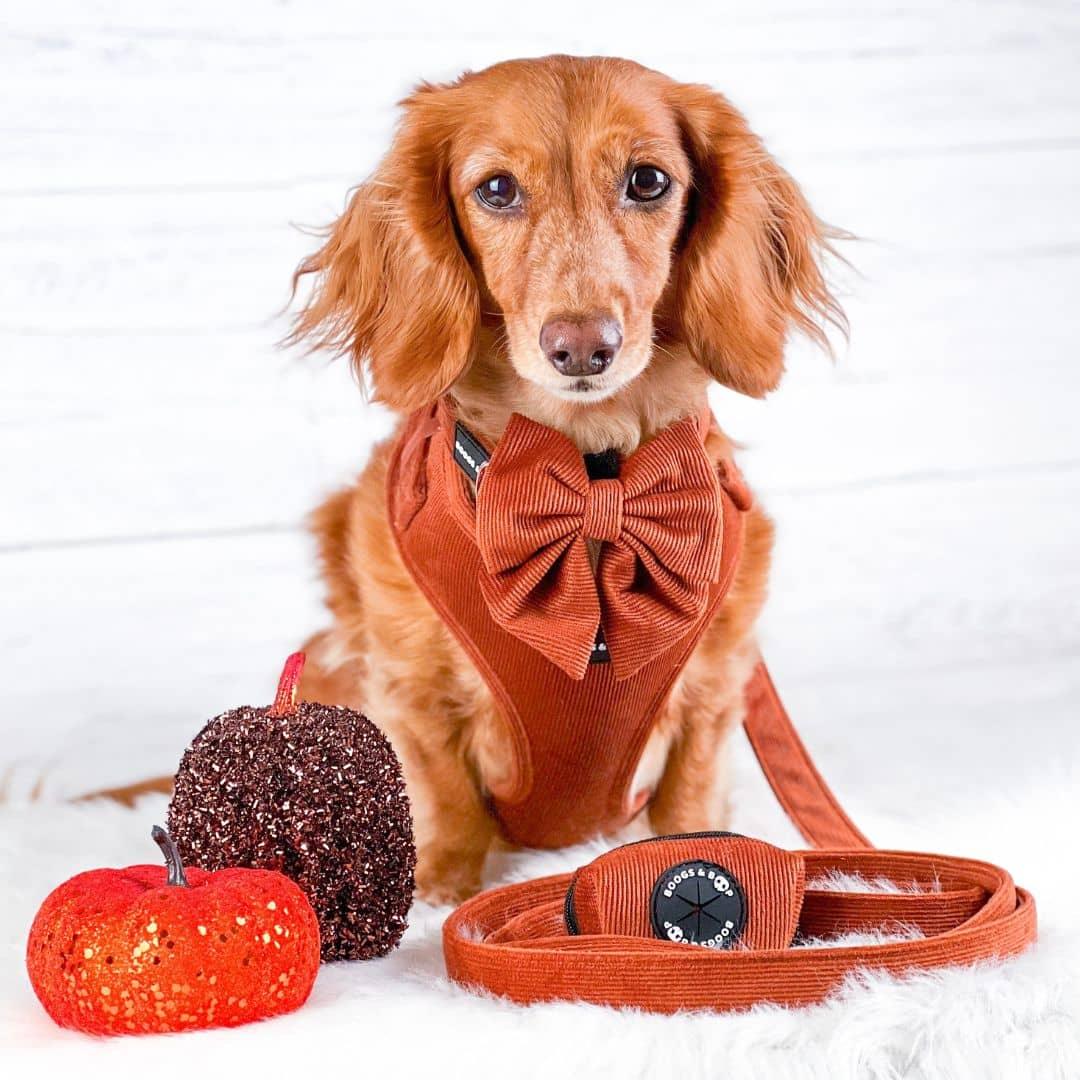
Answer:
(145, 949)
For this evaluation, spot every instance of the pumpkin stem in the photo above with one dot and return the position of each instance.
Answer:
(285, 702)
(171, 852)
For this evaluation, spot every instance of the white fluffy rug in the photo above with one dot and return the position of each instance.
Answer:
(400, 1017)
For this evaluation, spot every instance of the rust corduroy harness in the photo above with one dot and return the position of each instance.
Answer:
(581, 695)
(579, 708)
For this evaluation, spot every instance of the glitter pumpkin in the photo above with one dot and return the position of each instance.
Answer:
(315, 792)
(152, 949)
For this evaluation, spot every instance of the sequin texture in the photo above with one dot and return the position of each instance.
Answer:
(316, 794)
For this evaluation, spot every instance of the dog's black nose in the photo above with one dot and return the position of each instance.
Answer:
(580, 345)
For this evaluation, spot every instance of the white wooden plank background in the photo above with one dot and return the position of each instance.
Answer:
(159, 453)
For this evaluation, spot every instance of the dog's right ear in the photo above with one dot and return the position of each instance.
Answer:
(393, 289)
(751, 264)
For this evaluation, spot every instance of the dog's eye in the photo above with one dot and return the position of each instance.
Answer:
(646, 183)
(499, 192)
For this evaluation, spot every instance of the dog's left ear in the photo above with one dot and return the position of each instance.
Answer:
(392, 287)
(749, 267)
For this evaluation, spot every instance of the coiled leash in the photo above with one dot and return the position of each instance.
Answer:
(627, 928)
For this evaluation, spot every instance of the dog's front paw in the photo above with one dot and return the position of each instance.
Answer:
(446, 878)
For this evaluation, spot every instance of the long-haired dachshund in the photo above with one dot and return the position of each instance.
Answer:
(588, 243)
(585, 242)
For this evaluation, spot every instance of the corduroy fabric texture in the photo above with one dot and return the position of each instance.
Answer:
(576, 740)
(512, 579)
(514, 941)
(798, 786)
(607, 894)
(536, 508)
(509, 941)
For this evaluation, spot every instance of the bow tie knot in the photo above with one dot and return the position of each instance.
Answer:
(603, 517)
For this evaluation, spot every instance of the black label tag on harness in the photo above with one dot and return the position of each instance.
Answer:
(600, 654)
(468, 453)
(602, 466)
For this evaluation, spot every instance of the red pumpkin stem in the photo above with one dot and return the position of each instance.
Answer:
(285, 702)
(173, 862)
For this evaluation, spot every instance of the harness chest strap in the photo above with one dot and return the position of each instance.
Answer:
(576, 727)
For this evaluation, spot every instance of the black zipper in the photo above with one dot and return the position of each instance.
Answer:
(570, 916)
(568, 909)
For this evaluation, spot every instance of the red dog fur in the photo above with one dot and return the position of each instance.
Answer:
(430, 291)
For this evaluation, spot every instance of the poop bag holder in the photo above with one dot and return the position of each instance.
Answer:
(722, 921)
(691, 889)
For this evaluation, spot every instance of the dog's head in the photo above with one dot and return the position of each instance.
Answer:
(589, 214)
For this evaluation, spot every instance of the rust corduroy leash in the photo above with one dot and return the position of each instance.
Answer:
(616, 931)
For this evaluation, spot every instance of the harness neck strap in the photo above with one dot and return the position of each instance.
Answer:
(471, 453)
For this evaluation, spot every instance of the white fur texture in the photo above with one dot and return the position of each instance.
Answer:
(400, 1017)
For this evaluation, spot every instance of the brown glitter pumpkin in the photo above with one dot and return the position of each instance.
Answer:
(314, 792)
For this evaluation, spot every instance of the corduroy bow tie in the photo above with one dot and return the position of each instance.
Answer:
(660, 530)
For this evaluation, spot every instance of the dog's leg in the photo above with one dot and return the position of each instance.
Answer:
(450, 819)
(436, 724)
(426, 720)
(453, 827)
(693, 793)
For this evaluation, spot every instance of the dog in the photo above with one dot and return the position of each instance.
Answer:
(587, 243)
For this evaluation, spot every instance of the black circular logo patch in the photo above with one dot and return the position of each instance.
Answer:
(698, 903)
